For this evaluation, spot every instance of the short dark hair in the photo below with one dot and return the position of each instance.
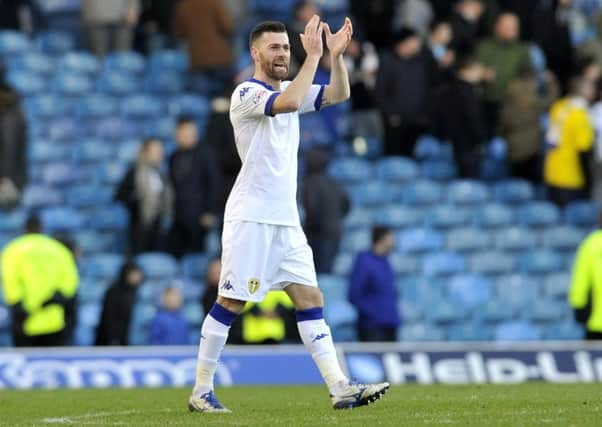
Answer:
(266, 27)
(379, 232)
(33, 224)
(185, 120)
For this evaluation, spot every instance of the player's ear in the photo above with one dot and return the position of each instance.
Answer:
(254, 53)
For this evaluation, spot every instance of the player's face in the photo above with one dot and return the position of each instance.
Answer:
(273, 55)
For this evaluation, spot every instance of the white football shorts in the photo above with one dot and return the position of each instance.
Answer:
(257, 258)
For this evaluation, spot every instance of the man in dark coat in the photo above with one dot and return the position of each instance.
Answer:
(326, 205)
(194, 176)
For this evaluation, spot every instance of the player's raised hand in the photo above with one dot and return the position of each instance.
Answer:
(312, 37)
(338, 42)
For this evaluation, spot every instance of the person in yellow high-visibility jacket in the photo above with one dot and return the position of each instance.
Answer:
(266, 322)
(585, 295)
(39, 279)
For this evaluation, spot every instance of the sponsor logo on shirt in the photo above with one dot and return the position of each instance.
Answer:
(259, 95)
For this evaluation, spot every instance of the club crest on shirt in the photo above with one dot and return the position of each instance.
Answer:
(253, 284)
(259, 95)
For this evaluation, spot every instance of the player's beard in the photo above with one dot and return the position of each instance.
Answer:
(273, 72)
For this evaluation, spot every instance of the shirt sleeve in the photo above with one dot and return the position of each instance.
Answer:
(313, 100)
(252, 101)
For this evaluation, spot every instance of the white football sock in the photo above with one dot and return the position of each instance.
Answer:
(317, 338)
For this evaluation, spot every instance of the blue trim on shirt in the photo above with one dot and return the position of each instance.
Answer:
(318, 101)
(269, 103)
(309, 314)
(222, 314)
(259, 82)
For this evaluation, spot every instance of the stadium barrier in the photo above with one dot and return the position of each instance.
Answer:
(557, 362)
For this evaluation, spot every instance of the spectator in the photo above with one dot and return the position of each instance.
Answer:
(40, 280)
(414, 14)
(403, 101)
(13, 147)
(505, 56)
(439, 41)
(156, 25)
(570, 137)
(596, 118)
(588, 69)
(585, 295)
(465, 23)
(109, 24)
(326, 205)
(147, 194)
(206, 26)
(16, 15)
(302, 13)
(374, 20)
(193, 173)
(271, 321)
(372, 289)
(592, 48)
(169, 327)
(458, 117)
(118, 305)
(520, 121)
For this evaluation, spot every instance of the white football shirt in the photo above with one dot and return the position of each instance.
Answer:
(265, 190)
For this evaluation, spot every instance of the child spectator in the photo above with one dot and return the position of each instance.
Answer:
(169, 327)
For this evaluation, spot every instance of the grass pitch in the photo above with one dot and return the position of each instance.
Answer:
(486, 405)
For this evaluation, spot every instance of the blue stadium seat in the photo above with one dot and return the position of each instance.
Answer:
(333, 287)
(115, 128)
(157, 265)
(371, 193)
(12, 220)
(55, 42)
(430, 148)
(396, 169)
(417, 240)
(118, 83)
(13, 43)
(421, 332)
(103, 266)
(91, 290)
(4, 318)
(409, 289)
(443, 312)
(72, 84)
(515, 238)
(403, 264)
(47, 106)
(355, 241)
(163, 128)
(150, 291)
(563, 331)
(538, 214)
(66, 128)
(421, 192)
(494, 311)
(193, 313)
(546, 311)
(96, 105)
(583, 214)
(350, 170)
(447, 216)
(492, 263)
(92, 242)
(88, 195)
(468, 239)
(493, 215)
(93, 151)
(189, 104)
(192, 289)
(469, 332)
(439, 170)
(340, 313)
(194, 266)
(410, 313)
(513, 191)
(562, 237)
(110, 172)
(127, 61)
(517, 331)
(26, 83)
(541, 261)
(33, 62)
(59, 173)
(110, 218)
(358, 217)
(61, 219)
(469, 290)
(169, 60)
(169, 82)
(141, 107)
(36, 196)
(79, 62)
(557, 285)
(519, 291)
(443, 264)
(398, 216)
(343, 264)
(467, 192)
(143, 313)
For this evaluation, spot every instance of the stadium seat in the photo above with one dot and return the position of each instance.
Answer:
(93, 151)
(371, 193)
(513, 191)
(515, 238)
(421, 332)
(517, 331)
(494, 311)
(340, 313)
(47, 106)
(468, 239)
(421, 192)
(189, 104)
(141, 107)
(4, 318)
(118, 83)
(93, 242)
(36, 196)
(350, 170)
(538, 214)
(91, 290)
(66, 128)
(12, 220)
(343, 264)
(194, 266)
(88, 195)
(46, 151)
(430, 148)
(33, 62)
(447, 216)
(127, 61)
(169, 60)
(112, 217)
(359, 217)
(541, 261)
(443, 312)
(356, 241)
(492, 263)
(397, 169)
(403, 264)
(557, 285)
(546, 311)
(518, 291)
(439, 170)
(493, 215)
(469, 290)
(192, 289)
(110, 173)
(104, 266)
(443, 264)
(26, 83)
(72, 84)
(115, 128)
(469, 332)
(410, 313)
(582, 214)
(397, 216)
(467, 192)
(169, 82)
(13, 43)
(142, 314)
(156, 265)
(55, 42)
(193, 313)
(96, 105)
(563, 331)
(61, 219)
(59, 173)
(79, 62)
(418, 240)
(333, 287)
(563, 238)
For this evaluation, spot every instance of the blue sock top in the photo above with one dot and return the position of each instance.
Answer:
(309, 314)
(222, 314)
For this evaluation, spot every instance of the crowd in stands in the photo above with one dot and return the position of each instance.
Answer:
(470, 92)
